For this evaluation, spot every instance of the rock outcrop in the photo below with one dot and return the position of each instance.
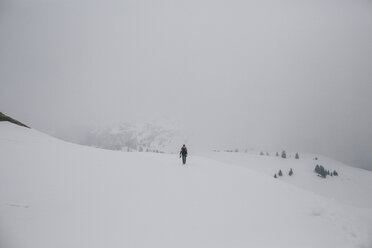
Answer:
(7, 118)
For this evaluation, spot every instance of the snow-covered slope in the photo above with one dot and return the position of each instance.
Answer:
(352, 186)
(57, 194)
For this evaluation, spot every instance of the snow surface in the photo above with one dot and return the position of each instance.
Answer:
(57, 194)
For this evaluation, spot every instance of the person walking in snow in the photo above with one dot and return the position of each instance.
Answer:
(183, 154)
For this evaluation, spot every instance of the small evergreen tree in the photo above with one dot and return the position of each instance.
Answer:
(335, 173)
(280, 173)
(284, 155)
(321, 171)
(297, 156)
(267, 154)
(261, 153)
(290, 172)
(275, 176)
(277, 154)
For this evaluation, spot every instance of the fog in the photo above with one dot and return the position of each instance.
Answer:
(270, 74)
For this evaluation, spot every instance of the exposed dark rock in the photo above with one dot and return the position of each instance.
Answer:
(7, 118)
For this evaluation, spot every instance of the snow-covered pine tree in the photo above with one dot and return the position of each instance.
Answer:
(297, 156)
(284, 155)
(280, 173)
(290, 173)
(321, 171)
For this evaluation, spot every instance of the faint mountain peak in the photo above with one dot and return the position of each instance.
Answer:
(157, 136)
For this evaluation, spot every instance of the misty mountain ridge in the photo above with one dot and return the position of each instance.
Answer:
(160, 136)
(152, 137)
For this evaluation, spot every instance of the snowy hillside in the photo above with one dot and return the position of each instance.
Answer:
(57, 194)
(352, 186)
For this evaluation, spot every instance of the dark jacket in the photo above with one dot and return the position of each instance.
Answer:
(183, 151)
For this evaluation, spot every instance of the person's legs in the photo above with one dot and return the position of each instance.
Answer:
(183, 159)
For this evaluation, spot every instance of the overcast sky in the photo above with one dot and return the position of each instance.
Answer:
(269, 74)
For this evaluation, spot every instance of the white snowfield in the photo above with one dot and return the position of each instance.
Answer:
(55, 194)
